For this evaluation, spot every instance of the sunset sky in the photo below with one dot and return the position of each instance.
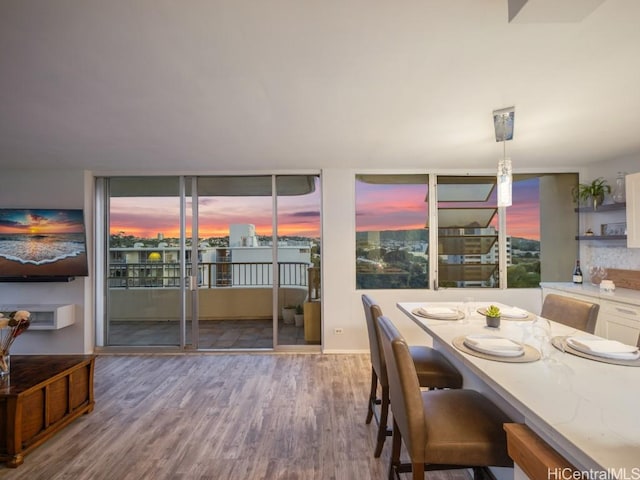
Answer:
(145, 217)
(394, 207)
(379, 207)
(38, 221)
(523, 217)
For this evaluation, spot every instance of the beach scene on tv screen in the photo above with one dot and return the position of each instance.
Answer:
(42, 243)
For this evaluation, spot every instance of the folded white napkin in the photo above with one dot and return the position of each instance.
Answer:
(494, 345)
(438, 312)
(513, 312)
(604, 348)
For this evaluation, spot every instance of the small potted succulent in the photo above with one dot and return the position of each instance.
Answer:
(492, 315)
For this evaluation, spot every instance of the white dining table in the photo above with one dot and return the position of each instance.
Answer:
(588, 411)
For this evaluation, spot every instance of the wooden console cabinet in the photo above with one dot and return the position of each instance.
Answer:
(43, 394)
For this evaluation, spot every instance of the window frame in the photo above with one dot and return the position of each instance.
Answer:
(502, 215)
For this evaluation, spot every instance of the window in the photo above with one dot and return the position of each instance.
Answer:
(195, 263)
(392, 243)
(468, 240)
(391, 238)
(523, 233)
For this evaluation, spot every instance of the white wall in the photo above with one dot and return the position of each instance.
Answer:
(51, 189)
(338, 263)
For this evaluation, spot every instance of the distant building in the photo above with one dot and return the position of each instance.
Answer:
(476, 262)
(243, 263)
(242, 235)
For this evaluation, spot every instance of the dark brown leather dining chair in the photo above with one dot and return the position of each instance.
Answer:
(441, 429)
(570, 311)
(433, 370)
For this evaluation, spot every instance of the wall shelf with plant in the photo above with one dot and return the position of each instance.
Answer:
(601, 237)
(610, 207)
(591, 194)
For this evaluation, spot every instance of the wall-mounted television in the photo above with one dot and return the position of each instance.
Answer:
(39, 245)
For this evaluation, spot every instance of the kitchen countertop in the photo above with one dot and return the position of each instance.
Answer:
(623, 295)
(584, 409)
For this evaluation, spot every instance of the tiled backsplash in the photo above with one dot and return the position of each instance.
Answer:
(609, 257)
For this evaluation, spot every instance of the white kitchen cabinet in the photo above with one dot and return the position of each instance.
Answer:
(632, 187)
(619, 314)
(620, 321)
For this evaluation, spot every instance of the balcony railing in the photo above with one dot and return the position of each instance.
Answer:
(209, 274)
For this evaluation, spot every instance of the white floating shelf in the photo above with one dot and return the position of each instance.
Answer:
(47, 317)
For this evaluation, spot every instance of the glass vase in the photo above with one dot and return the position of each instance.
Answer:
(619, 194)
(5, 365)
(541, 333)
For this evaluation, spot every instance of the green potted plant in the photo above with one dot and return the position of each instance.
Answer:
(288, 314)
(592, 193)
(492, 315)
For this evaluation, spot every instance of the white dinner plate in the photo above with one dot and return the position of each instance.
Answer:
(494, 345)
(438, 313)
(581, 344)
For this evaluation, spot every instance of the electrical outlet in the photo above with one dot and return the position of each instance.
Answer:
(338, 331)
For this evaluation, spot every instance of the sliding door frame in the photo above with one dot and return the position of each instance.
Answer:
(188, 285)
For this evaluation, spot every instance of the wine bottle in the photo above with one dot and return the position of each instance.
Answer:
(577, 273)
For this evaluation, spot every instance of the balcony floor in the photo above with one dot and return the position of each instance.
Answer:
(214, 334)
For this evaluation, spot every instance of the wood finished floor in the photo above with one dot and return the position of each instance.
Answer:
(220, 416)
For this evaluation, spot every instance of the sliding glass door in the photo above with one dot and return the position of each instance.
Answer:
(298, 254)
(193, 262)
(234, 262)
(144, 271)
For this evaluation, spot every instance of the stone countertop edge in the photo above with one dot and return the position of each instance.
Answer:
(623, 295)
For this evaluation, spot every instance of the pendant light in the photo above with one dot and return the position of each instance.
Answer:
(503, 124)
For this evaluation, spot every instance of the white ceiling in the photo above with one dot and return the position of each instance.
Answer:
(289, 84)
